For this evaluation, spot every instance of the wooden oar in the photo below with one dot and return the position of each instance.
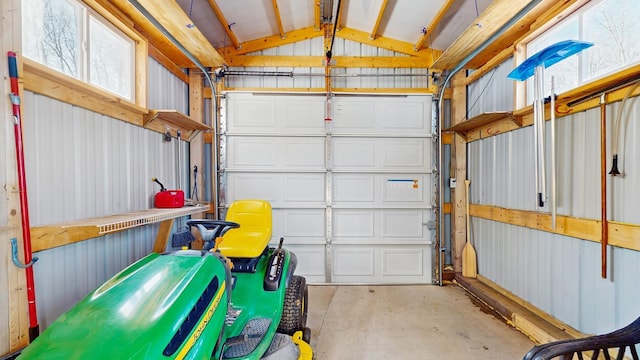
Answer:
(469, 266)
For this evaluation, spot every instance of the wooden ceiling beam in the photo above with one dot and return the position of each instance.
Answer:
(169, 14)
(131, 16)
(225, 24)
(384, 43)
(496, 15)
(278, 18)
(435, 22)
(318, 61)
(317, 14)
(374, 31)
(537, 20)
(271, 41)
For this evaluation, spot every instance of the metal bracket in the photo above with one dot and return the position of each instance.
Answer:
(14, 255)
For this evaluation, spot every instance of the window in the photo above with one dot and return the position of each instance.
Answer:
(69, 37)
(611, 25)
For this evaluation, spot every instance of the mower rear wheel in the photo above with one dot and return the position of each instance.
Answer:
(294, 311)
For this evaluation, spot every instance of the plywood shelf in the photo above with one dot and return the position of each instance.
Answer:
(172, 121)
(50, 236)
(483, 121)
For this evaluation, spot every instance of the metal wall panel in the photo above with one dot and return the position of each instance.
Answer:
(491, 92)
(559, 274)
(165, 90)
(81, 164)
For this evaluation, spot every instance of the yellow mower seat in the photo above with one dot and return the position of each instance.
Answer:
(254, 233)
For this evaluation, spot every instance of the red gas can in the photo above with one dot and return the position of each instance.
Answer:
(170, 199)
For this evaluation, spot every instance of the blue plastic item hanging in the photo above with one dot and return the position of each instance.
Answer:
(547, 57)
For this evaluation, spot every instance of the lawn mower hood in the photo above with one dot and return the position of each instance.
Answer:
(147, 311)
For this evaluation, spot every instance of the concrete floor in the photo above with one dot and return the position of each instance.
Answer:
(406, 322)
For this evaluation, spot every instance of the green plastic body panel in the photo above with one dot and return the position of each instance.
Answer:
(249, 296)
(135, 314)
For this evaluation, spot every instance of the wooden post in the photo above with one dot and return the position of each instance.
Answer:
(196, 112)
(459, 161)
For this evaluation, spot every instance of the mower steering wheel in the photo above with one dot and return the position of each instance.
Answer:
(212, 229)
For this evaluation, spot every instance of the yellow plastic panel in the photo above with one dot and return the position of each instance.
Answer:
(248, 241)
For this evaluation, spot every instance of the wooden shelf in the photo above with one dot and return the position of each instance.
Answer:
(481, 122)
(50, 236)
(172, 121)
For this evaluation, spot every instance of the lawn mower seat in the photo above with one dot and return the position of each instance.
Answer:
(250, 240)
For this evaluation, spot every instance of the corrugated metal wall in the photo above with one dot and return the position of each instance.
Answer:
(80, 165)
(315, 47)
(559, 274)
(492, 92)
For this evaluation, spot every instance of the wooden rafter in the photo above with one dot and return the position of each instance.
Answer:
(436, 20)
(278, 19)
(225, 23)
(317, 14)
(271, 41)
(382, 42)
(339, 19)
(497, 14)
(128, 14)
(171, 16)
(340, 61)
(374, 31)
(548, 11)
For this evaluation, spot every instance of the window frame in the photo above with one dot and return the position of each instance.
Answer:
(138, 101)
(521, 54)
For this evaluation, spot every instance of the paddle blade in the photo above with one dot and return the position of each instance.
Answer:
(469, 266)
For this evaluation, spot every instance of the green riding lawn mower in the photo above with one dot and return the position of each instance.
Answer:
(237, 298)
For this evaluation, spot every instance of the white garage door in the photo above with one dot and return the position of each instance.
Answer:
(350, 196)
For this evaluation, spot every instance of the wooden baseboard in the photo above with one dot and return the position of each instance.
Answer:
(537, 325)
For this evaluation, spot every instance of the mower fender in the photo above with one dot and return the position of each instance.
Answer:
(293, 264)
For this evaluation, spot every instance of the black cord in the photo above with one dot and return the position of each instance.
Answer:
(481, 92)
(335, 26)
(195, 182)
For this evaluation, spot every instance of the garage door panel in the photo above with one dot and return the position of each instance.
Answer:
(300, 223)
(405, 153)
(251, 186)
(295, 115)
(275, 153)
(383, 264)
(400, 117)
(311, 261)
(274, 114)
(372, 226)
(353, 261)
(381, 154)
(403, 262)
(402, 224)
(252, 114)
(354, 188)
(281, 189)
(375, 115)
(353, 223)
(381, 189)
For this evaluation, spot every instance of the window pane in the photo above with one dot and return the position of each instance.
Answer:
(50, 34)
(614, 29)
(110, 59)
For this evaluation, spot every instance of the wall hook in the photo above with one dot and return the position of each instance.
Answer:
(14, 255)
